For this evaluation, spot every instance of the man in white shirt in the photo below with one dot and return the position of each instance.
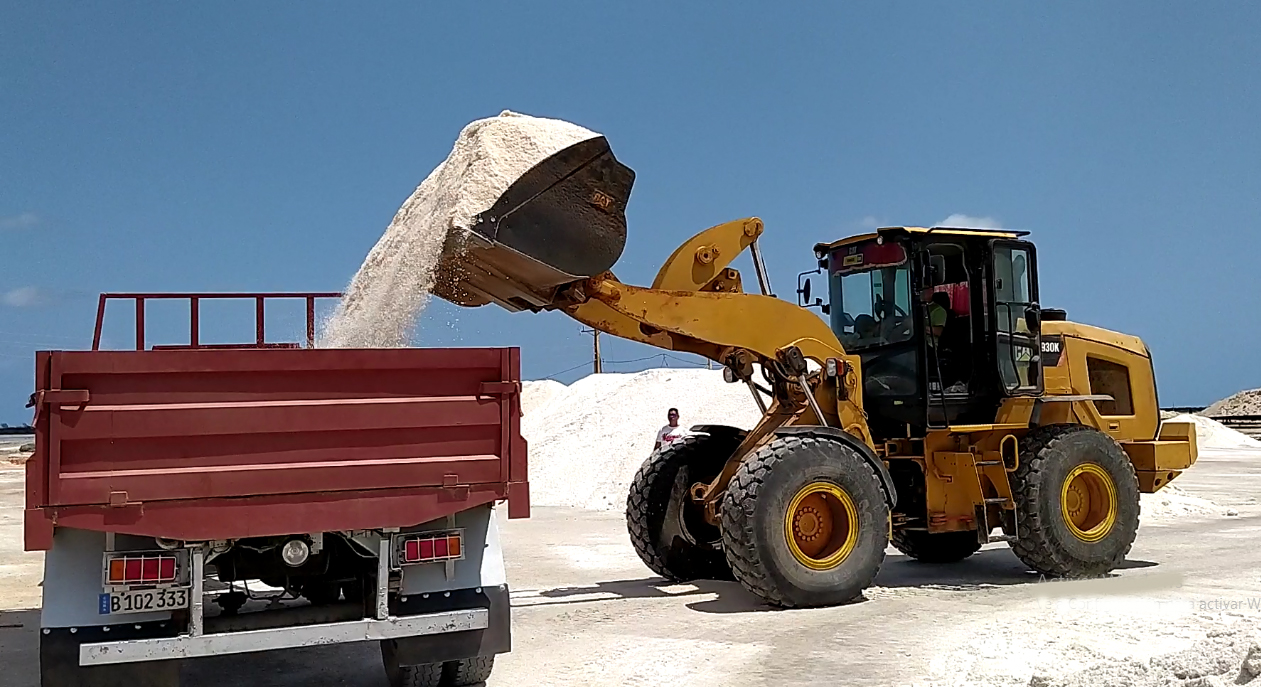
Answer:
(671, 432)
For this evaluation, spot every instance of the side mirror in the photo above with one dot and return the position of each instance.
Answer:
(1033, 317)
(803, 291)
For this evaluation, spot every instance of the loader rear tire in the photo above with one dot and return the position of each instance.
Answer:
(805, 522)
(1077, 502)
(942, 547)
(666, 528)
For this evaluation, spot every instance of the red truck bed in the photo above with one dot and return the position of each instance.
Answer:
(201, 444)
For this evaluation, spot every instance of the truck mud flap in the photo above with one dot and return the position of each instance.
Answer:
(451, 646)
(59, 658)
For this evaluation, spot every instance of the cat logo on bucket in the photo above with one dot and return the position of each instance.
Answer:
(602, 200)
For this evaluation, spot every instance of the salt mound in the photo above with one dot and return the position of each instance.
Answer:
(535, 395)
(1213, 434)
(1172, 502)
(588, 439)
(1243, 403)
(393, 285)
(1225, 657)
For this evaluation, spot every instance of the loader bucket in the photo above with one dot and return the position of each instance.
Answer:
(563, 221)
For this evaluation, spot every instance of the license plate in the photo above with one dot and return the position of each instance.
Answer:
(143, 600)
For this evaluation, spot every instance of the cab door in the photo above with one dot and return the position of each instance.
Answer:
(1017, 317)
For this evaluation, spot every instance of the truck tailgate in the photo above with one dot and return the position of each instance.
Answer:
(155, 442)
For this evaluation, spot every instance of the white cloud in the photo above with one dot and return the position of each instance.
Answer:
(25, 297)
(26, 220)
(970, 222)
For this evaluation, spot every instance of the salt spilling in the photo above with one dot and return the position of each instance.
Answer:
(386, 296)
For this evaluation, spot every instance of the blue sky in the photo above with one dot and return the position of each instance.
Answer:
(252, 146)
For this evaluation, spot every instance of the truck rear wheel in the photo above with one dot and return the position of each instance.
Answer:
(941, 547)
(470, 671)
(1077, 502)
(423, 675)
(667, 528)
(805, 522)
(460, 673)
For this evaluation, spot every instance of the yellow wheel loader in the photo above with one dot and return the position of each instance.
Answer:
(929, 403)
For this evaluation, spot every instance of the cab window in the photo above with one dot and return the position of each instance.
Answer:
(870, 288)
(1018, 358)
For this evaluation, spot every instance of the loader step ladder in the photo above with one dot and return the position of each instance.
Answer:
(985, 470)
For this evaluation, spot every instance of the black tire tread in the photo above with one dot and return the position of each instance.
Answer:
(1033, 545)
(470, 671)
(738, 517)
(423, 675)
(640, 500)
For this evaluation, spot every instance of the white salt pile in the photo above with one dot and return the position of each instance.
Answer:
(1226, 657)
(392, 286)
(1109, 641)
(588, 439)
(1214, 435)
(1246, 402)
(537, 394)
(1172, 502)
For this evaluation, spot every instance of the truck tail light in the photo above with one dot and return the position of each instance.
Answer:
(431, 548)
(125, 569)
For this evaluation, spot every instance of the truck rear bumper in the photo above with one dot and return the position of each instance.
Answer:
(185, 646)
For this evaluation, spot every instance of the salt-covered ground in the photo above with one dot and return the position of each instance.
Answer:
(10, 445)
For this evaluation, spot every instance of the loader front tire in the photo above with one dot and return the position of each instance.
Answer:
(667, 529)
(942, 547)
(1077, 502)
(805, 522)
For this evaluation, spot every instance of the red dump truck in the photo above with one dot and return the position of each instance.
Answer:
(206, 499)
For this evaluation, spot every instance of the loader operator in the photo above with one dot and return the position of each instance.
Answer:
(938, 313)
(944, 354)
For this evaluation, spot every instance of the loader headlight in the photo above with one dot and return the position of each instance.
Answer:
(728, 376)
(295, 552)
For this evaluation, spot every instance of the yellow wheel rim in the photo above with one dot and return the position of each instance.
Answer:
(1088, 502)
(821, 526)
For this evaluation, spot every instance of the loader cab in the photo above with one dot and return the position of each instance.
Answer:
(945, 320)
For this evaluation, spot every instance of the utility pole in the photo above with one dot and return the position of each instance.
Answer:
(597, 365)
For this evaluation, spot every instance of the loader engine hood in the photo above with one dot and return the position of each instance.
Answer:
(1126, 342)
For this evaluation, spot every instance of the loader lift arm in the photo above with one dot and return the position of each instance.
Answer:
(696, 304)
